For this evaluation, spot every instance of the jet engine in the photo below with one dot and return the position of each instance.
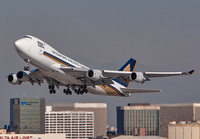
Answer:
(23, 75)
(94, 74)
(137, 77)
(12, 78)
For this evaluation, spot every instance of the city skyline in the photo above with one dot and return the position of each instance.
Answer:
(160, 35)
(152, 119)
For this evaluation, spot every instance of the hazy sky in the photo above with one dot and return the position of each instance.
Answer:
(161, 35)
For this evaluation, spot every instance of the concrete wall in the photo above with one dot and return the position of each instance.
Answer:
(188, 131)
(169, 113)
(197, 113)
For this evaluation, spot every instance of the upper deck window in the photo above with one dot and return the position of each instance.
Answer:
(27, 37)
(40, 44)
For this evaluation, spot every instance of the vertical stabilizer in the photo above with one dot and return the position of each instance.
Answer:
(128, 66)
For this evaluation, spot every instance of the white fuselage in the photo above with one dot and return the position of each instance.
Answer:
(49, 61)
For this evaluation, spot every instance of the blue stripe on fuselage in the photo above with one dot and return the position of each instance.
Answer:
(57, 59)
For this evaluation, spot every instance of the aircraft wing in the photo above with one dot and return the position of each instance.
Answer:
(137, 90)
(82, 74)
(141, 77)
(35, 76)
(107, 76)
(116, 74)
(166, 74)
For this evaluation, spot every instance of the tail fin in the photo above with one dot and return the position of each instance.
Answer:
(128, 66)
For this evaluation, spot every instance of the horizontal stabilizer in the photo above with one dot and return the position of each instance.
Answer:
(137, 90)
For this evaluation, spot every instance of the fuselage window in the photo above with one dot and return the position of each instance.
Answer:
(27, 37)
(41, 45)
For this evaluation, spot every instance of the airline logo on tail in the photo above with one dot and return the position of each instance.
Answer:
(128, 66)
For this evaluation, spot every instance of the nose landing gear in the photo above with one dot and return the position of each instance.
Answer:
(27, 67)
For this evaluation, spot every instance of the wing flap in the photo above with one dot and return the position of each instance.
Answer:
(138, 90)
(72, 69)
(36, 76)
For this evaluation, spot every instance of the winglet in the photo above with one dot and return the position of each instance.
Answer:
(191, 72)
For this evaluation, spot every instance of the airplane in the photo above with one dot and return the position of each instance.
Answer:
(59, 70)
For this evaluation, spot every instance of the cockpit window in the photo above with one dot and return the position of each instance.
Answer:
(27, 37)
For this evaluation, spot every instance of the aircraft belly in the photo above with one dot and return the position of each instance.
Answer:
(97, 90)
(105, 90)
(65, 79)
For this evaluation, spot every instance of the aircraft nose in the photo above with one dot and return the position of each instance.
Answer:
(22, 45)
(18, 45)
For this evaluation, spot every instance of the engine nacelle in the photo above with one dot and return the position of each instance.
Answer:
(94, 74)
(12, 78)
(23, 75)
(137, 77)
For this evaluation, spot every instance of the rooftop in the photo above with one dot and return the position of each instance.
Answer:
(81, 105)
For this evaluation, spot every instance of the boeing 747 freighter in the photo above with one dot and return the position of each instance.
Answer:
(59, 70)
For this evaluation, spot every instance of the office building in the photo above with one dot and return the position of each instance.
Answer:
(138, 119)
(27, 115)
(99, 110)
(131, 118)
(177, 113)
(74, 124)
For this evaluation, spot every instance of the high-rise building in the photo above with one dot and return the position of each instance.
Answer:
(27, 115)
(138, 119)
(75, 124)
(99, 110)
